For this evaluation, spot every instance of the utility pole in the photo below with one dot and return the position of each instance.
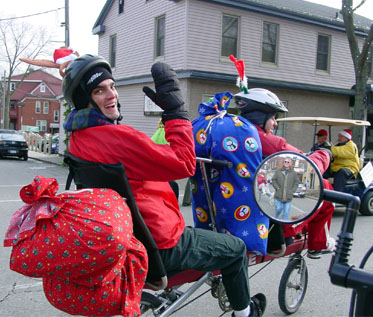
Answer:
(3, 102)
(67, 24)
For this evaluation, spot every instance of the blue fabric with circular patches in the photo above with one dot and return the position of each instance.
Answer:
(232, 138)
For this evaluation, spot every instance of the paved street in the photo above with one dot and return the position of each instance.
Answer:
(21, 295)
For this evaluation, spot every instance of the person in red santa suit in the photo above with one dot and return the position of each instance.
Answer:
(62, 57)
(260, 106)
(96, 136)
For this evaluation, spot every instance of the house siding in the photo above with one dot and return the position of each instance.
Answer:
(193, 42)
(135, 46)
(297, 47)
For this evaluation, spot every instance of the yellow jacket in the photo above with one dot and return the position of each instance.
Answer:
(346, 155)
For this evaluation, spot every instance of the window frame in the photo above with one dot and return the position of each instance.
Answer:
(120, 6)
(236, 49)
(327, 70)
(277, 40)
(41, 126)
(42, 87)
(12, 86)
(38, 106)
(56, 115)
(113, 50)
(159, 42)
(46, 106)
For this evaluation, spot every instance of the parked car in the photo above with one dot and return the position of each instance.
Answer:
(300, 191)
(55, 144)
(13, 143)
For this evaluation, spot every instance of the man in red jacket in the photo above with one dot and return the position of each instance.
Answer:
(260, 106)
(90, 88)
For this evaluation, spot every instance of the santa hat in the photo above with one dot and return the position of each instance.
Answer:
(322, 132)
(346, 133)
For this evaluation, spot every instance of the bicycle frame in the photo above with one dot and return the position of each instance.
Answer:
(172, 298)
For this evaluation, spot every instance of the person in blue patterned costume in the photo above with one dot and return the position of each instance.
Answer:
(223, 136)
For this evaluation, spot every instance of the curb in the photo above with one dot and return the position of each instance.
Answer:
(56, 160)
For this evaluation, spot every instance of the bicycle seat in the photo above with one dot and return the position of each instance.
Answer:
(87, 174)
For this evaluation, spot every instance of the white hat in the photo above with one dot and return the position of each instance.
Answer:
(346, 133)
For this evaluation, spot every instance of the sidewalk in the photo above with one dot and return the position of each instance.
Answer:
(55, 159)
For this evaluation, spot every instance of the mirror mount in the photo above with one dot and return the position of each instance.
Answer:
(288, 187)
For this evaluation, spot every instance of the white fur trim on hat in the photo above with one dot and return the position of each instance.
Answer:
(346, 134)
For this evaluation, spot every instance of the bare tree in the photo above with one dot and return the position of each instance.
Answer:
(359, 58)
(18, 39)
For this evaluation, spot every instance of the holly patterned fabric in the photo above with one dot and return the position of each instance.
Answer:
(81, 243)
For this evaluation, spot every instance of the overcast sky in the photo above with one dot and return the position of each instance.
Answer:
(83, 15)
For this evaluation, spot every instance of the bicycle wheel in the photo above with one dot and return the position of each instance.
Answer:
(148, 303)
(293, 286)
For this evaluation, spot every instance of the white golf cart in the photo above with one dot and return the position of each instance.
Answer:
(362, 186)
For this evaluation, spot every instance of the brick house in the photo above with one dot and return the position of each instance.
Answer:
(34, 102)
(297, 49)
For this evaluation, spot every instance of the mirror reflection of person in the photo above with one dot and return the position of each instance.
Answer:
(263, 185)
(260, 106)
(285, 181)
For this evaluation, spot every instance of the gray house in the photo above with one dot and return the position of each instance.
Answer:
(297, 49)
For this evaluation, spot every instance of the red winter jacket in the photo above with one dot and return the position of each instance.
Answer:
(272, 144)
(149, 167)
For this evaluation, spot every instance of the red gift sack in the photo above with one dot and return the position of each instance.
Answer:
(81, 243)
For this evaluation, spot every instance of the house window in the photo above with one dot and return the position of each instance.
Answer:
(229, 36)
(12, 87)
(323, 52)
(269, 44)
(121, 6)
(42, 125)
(46, 107)
(37, 107)
(160, 30)
(12, 105)
(113, 50)
(56, 115)
(42, 88)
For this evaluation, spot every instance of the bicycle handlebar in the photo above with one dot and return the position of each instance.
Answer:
(215, 162)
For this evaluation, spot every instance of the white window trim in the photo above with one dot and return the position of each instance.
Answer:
(321, 71)
(225, 59)
(41, 126)
(265, 63)
(160, 57)
(42, 88)
(36, 107)
(111, 50)
(45, 103)
(56, 114)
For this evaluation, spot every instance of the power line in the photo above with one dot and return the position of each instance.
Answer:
(31, 15)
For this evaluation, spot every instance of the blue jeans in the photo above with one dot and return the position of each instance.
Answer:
(282, 206)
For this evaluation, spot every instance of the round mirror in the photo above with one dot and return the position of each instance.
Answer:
(287, 187)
